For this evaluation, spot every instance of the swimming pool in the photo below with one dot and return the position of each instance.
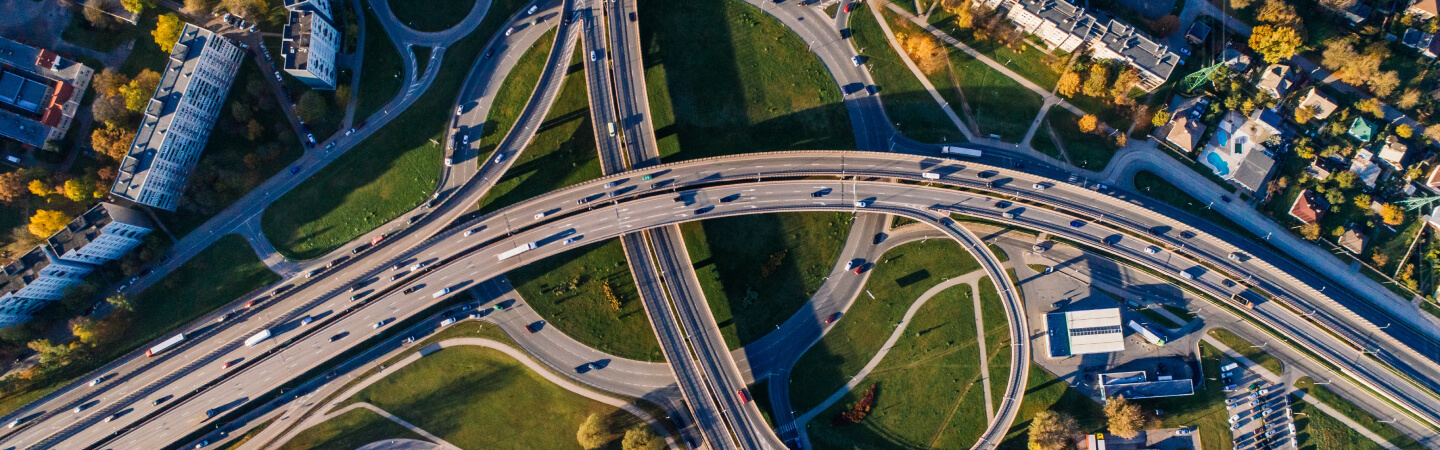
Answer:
(1222, 168)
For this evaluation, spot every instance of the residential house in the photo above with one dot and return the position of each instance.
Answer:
(1309, 207)
(1362, 129)
(1254, 171)
(1433, 181)
(1236, 60)
(1354, 241)
(1322, 104)
(1392, 152)
(1198, 32)
(1275, 81)
(1365, 169)
(1185, 133)
(1423, 8)
(1357, 13)
(1317, 169)
(1420, 41)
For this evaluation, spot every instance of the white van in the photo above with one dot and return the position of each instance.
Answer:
(439, 293)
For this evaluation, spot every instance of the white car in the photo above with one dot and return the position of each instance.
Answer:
(571, 240)
(1235, 418)
(499, 157)
(861, 204)
(1038, 186)
(417, 266)
(1182, 432)
(533, 9)
(97, 380)
(509, 31)
(856, 60)
(306, 320)
(377, 324)
(849, 265)
(449, 162)
(540, 216)
(1152, 249)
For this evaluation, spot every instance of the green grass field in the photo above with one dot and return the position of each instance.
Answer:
(730, 257)
(512, 97)
(907, 103)
(997, 338)
(1249, 350)
(466, 395)
(1318, 431)
(901, 276)
(381, 71)
(1159, 319)
(1180, 312)
(928, 388)
(1086, 150)
(1042, 143)
(1352, 411)
(563, 152)
(568, 290)
(724, 77)
(348, 431)
(384, 176)
(431, 16)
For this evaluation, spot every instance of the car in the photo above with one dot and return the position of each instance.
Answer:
(470, 232)
(349, 131)
(396, 276)
(1182, 432)
(1225, 198)
(277, 76)
(817, 194)
(832, 318)
(97, 380)
(336, 337)
(1254, 386)
(533, 9)
(1184, 51)
(647, 177)
(509, 31)
(855, 59)
(448, 161)
(534, 326)
(464, 139)
(306, 321)
(861, 204)
(1234, 418)
(593, 55)
(409, 290)
(489, 53)
(227, 364)
(1057, 304)
(1234, 427)
(202, 444)
(848, 89)
(1264, 391)
(224, 317)
(1049, 269)
(418, 266)
(408, 340)
(849, 7)
(356, 297)
(499, 157)
(1038, 186)
(610, 185)
(570, 241)
(377, 324)
(849, 265)
(1230, 387)
(1077, 223)
(1019, 165)
(1152, 250)
(870, 89)
(633, 17)
(249, 304)
(582, 200)
(540, 216)
(859, 268)
(1266, 411)
(1254, 403)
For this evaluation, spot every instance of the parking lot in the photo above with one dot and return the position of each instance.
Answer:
(1260, 414)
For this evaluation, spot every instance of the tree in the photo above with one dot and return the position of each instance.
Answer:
(1069, 84)
(1345, 179)
(138, 91)
(1051, 430)
(1408, 99)
(1275, 43)
(199, 6)
(1278, 12)
(1413, 172)
(12, 187)
(1098, 80)
(1338, 5)
(1385, 83)
(1126, 418)
(594, 432)
(241, 111)
(1370, 106)
(342, 96)
(121, 302)
(925, 50)
(80, 189)
(112, 140)
(137, 6)
(39, 188)
(110, 110)
(1240, 4)
(253, 130)
(96, 17)
(1303, 114)
(51, 354)
(1380, 259)
(1310, 231)
(641, 437)
(250, 9)
(45, 223)
(310, 107)
(1335, 198)
(108, 82)
(1361, 201)
(1124, 80)
(1392, 214)
(1087, 123)
(84, 329)
(1404, 131)
(167, 31)
(1161, 118)
(1121, 140)
(1433, 132)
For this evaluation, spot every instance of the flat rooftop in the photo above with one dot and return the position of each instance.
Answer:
(296, 46)
(1135, 385)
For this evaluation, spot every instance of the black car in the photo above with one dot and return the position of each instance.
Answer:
(1019, 165)
(489, 53)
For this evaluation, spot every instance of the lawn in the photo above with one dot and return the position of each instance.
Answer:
(1350, 410)
(79, 32)
(384, 176)
(461, 394)
(349, 431)
(382, 67)
(1316, 430)
(1086, 150)
(232, 164)
(906, 101)
(1042, 143)
(997, 104)
(512, 97)
(1045, 391)
(240, 441)
(902, 275)
(223, 272)
(1180, 312)
(568, 290)
(928, 388)
(997, 338)
(1159, 319)
(1153, 186)
(1250, 351)
(431, 16)
(563, 152)
(724, 77)
(758, 270)
(1029, 62)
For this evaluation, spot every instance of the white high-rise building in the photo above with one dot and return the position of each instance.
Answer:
(33, 281)
(104, 233)
(310, 44)
(178, 119)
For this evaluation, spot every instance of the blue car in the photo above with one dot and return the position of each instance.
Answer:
(1077, 223)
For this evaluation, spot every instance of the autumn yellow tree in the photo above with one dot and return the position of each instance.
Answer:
(1160, 119)
(1392, 214)
(1310, 231)
(1404, 131)
(1069, 84)
(1126, 418)
(112, 140)
(167, 31)
(1087, 123)
(1305, 113)
(926, 51)
(46, 222)
(1275, 43)
(39, 188)
(138, 91)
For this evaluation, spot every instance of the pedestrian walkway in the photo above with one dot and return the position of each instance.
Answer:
(399, 421)
(915, 70)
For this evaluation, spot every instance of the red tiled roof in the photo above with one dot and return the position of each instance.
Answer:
(46, 58)
(1308, 207)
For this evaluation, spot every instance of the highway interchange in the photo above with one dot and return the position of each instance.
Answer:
(644, 215)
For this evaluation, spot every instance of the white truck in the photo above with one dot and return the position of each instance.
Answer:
(440, 293)
(931, 175)
(952, 150)
(257, 338)
(1150, 335)
(517, 250)
(165, 345)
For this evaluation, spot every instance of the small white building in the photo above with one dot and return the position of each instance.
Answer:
(1085, 332)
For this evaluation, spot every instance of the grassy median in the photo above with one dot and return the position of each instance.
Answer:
(897, 281)
(563, 152)
(1323, 431)
(431, 16)
(384, 176)
(997, 339)
(353, 429)
(928, 392)
(758, 270)
(1255, 354)
(470, 396)
(1088, 151)
(724, 77)
(573, 290)
(380, 71)
(513, 95)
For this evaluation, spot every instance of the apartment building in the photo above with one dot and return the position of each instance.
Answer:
(39, 93)
(310, 43)
(1067, 27)
(33, 281)
(178, 119)
(104, 233)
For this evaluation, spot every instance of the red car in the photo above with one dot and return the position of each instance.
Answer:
(226, 365)
(859, 268)
(252, 303)
(832, 318)
(744, 396)
(849, 7)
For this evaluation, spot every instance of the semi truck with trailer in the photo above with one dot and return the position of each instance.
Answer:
(165, 345)
(953, 150)
(257, 338)
(1150, 335)
(517, 250)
